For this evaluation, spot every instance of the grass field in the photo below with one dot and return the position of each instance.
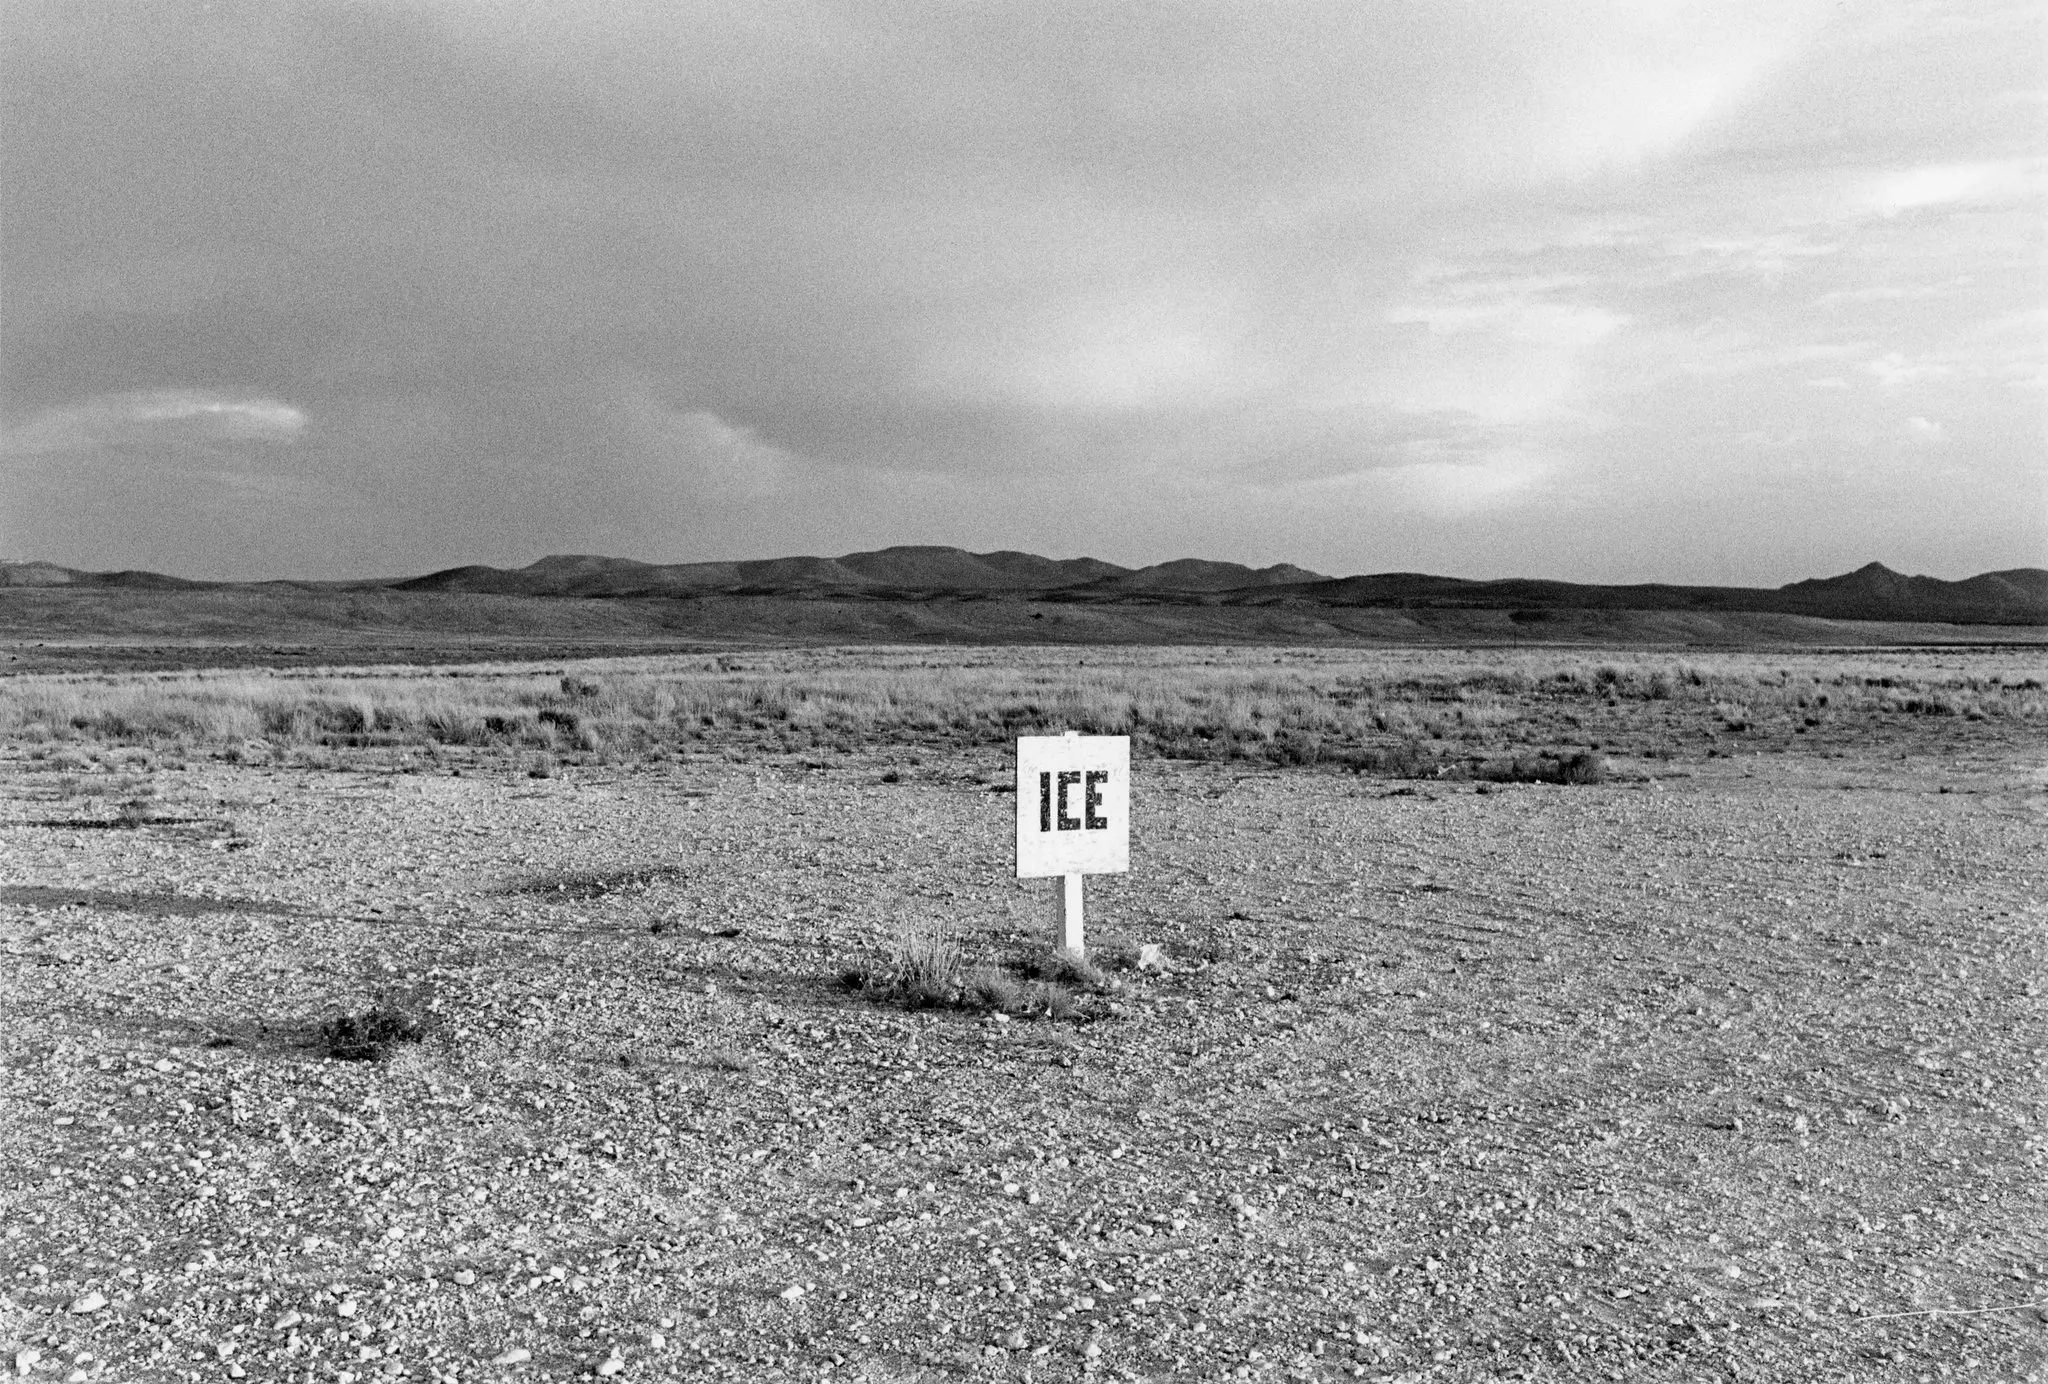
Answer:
(1426, 714)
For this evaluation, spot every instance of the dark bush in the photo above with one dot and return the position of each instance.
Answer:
(1578, 767)
(370, 1036)
(1408, 759)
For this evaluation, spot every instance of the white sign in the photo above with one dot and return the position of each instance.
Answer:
(1073, 805)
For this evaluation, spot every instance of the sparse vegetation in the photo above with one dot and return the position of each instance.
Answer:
(1060, 966)
(924, 967)
(1580, 767)
(1398, 714)
(925, 970)
(597, 884)
(371, 1035)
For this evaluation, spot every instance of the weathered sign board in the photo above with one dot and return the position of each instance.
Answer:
(1073, 813)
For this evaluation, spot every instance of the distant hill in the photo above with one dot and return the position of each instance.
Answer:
(1888, 595)
(50, 574)
(1873, 592)
(1193, 574)
(888, 571)
(912, 574)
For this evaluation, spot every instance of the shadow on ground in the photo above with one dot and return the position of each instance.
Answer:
(156, 904)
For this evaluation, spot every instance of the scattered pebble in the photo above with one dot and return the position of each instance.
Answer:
(91, 1302)
(346, 1119)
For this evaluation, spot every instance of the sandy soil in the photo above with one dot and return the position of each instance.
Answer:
(1728, 1069)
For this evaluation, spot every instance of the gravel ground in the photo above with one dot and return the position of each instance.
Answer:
(1723, 1070)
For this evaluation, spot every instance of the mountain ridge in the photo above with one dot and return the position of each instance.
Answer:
(929, 572)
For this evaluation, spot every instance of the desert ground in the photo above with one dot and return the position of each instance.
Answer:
(1541, 1015)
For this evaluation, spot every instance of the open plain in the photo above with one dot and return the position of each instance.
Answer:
(1547, 1015)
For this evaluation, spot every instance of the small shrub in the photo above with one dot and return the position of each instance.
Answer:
(1114, 954)
(925, 956)
(370, 1036)
(1580, 767)
(1410, 758)
(1062, 966)
(922, 971)
(924, 968)
(988, 987)
(1292, 749)
(1059, 1002)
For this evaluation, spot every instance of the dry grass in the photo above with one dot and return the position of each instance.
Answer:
(371, 1035)
(1403, 713)
(925, 969)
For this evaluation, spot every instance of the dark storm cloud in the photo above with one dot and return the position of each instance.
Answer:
(681, 281)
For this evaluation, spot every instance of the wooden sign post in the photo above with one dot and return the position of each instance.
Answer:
(1073, 814)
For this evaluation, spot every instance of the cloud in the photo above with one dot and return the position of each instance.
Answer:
(1892, 369)
(1457, 488)
(1639, 79)
(667, 278)
(701, 454)
(1938, 185)
(160, 419)
(1504, 353)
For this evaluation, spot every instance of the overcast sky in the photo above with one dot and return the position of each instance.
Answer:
(1723, 292)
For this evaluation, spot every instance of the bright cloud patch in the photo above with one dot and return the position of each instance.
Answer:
(157, 417)
(1505, 358)
(1893, 369)
(1942, 184)
(1451, 489)
(709, 457)
(1925, 430)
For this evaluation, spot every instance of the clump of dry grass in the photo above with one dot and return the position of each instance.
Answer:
(1057, 964)
(925, 970)
(922, 970)
(1578, 767)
